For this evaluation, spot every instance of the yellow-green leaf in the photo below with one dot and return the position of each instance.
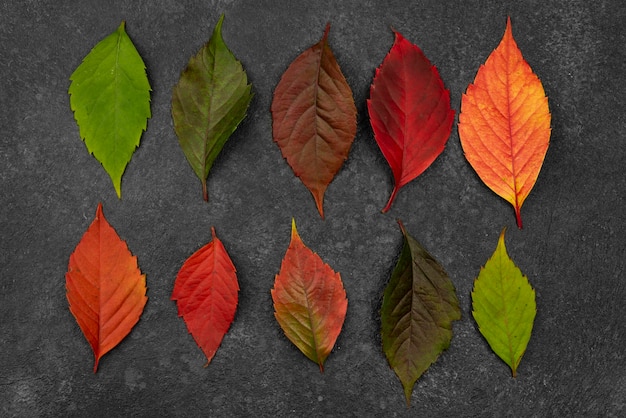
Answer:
(504, 306)
(110, 97)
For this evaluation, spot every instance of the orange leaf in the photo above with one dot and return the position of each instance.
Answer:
(105, 288)
(504, 123)
(314, 118)
(206, 293)
(309, 300)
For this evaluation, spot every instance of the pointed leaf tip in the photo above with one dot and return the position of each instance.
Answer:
(294, 230)
(503, 306)
(504, 124)
(99, 213)
(326, 32)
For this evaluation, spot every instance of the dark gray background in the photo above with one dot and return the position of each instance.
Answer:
(572, 247)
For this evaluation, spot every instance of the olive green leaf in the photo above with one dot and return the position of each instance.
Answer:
(504, 307)
(208, 103)
(110, 97)
(418, 308)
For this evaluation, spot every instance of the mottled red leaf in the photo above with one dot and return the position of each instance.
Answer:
(410, 112)
(105, 288)
(309, 300)
(314, 118)
(206, 291)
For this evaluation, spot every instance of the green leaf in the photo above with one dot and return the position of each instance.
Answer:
(110, 97)
(504, 307)
(418, 308)
(208, 103)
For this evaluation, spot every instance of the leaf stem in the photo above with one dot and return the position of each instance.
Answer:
(391, 199)
(518, 217)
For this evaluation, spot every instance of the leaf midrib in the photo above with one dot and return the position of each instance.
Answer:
(508, 55)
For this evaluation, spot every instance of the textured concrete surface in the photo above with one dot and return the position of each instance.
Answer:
(572, 247)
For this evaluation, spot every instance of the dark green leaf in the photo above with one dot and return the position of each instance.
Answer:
(418, 308)
(208, 103)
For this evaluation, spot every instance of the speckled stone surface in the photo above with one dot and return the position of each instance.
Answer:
(572, 246)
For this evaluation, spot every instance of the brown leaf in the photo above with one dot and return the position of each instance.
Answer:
(314, 118)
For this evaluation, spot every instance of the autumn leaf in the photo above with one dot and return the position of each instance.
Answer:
(314, 118)
(504, 306)
(208, 103)
(206, 291)
(110, 97)
(105, 288)
(504, 123)
(418, 308)
(410, 112)
(309, 300)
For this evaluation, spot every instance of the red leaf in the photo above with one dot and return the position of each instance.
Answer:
(105, 288)
(410, 112)
(309, 300)
(206, 291)
(314, 118)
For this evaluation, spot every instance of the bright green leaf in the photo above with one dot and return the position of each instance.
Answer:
(418, 308)
(110, 97)
(504, 306)
(208, 103)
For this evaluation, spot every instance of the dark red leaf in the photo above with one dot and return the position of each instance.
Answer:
(410, 112)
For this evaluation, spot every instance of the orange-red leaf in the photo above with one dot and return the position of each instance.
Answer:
(314, 118)
(105, 288)
(504, 123)
(206, 291)
(309, 300)
(410, 112)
